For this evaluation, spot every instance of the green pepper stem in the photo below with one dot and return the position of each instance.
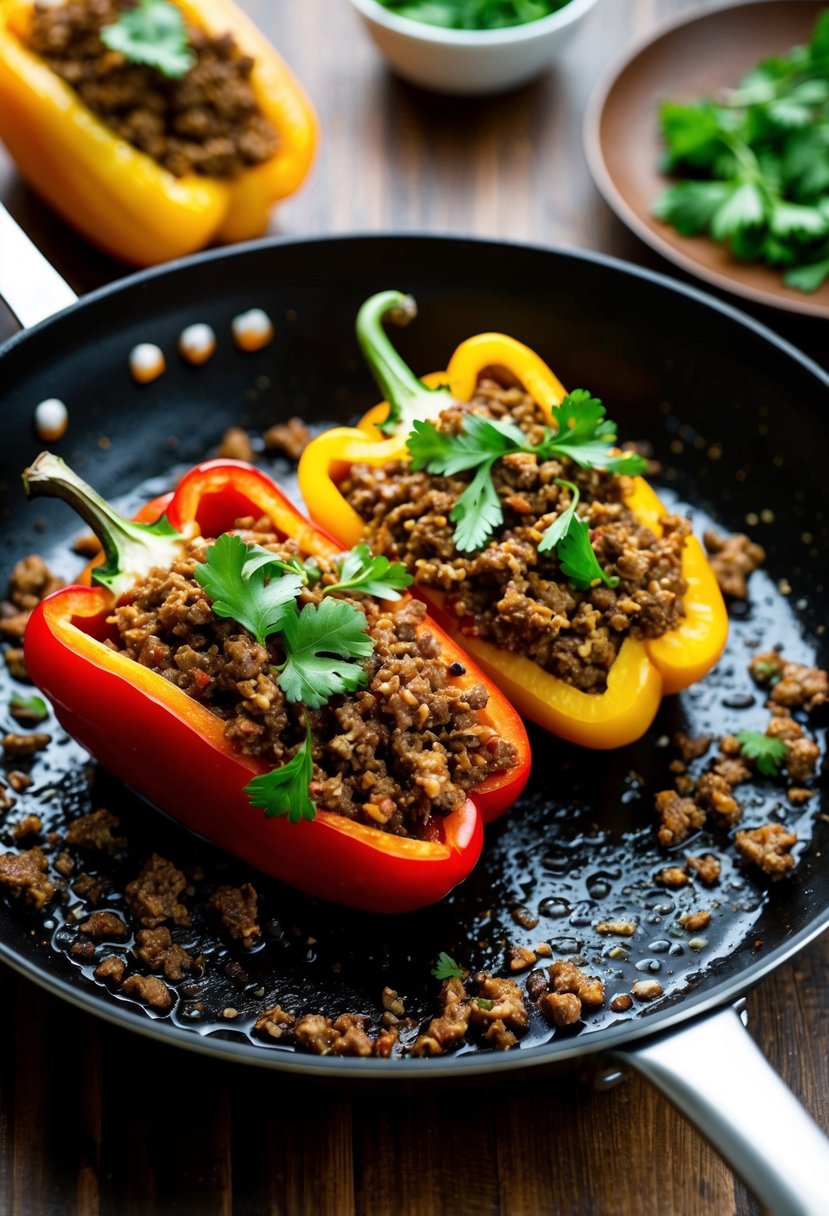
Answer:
(408, 397)
(131, 550)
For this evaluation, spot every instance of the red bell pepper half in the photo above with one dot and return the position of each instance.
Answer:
(172, 750)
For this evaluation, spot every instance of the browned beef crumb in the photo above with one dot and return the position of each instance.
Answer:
(19, 781)
(678, 817)
(235, 908)
(29, 825)
(520, 958)
(691, 747)
(155, 949)
(206, 122)
(95, 832)
(672, 876)
(149, 989)
(23, 876)
(16, 746)
(152, 897)
(793, 685)
(16, 663)
(616, 928)
(64, 863)
(408, 746)
(274, 1022)
(621, 1003)
(508, 593)
(713, 793)
(733, 559)
(523, 916)
(291, 438)
(567, 977)
(706, 867)
(733, 771)
(104, 925)
(694, 921)
(450, 1028)
(236, 445)
(7, 801)
(560, 1008)
(89, 887)
(537, 983)
(111, 969)
(798, 794)
(30, 581)
(498, 1000)
(768, 847)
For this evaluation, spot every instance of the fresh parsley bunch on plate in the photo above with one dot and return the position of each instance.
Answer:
(755, 164)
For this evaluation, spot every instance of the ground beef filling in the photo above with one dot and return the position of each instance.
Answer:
(403, 749)
(206, 122)
(508, 593)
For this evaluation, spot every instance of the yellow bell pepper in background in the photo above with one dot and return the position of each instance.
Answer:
(120, 198)
(644, 669)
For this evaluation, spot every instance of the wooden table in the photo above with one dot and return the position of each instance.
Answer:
(93, 1120)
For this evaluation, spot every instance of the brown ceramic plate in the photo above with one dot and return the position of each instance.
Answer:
(686, 59)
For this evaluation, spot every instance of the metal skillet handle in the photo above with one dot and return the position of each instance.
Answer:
(29, 285)
(714, 1073)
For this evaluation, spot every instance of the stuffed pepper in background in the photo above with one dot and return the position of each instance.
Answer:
(156, 129)
(286, 701)
(530, 536)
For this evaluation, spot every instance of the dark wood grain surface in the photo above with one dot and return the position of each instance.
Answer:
(96, 1121)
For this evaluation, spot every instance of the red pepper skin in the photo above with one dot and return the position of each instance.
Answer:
(172, 750)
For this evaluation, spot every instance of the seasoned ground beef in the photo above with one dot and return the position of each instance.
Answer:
(206, 122)
(409, 744)
(508, 593)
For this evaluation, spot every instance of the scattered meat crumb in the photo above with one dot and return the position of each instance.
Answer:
(619, 928)
(111, 969)
(235, 909)
(149, 989)
(520, 958)
(104, 925)
(274, 1022)
(694, 921)
(621, 1003)
(96, 832)
(560, 1008)
(713, 792)
(672, 876)
(152, 897)
(155, 949)
(679, 816)
(647, 990)
(691, 747)
(16, 663)
(23, 876)
(29, 825)
(733, 559)
(290, 438)
(17, 746)
(706, 867)
(768, 847)
(236, 445)
(793, 685)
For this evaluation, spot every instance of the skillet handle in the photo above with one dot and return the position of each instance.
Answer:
(30, 286)
(714, 1073)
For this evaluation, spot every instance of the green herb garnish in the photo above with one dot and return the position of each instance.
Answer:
(484, 1003)
(152, 33)
(284, 790)
(28, 709)
(446, 968)
(581, 434)
(236, 578)
(321, 644)
(767, 752)
(474, 14)
(361, 570)
(757, 164)
(570, 537)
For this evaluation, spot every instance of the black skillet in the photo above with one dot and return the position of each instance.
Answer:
(734, 415)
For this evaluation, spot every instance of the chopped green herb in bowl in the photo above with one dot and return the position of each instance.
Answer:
(474, 14)
(753, 164)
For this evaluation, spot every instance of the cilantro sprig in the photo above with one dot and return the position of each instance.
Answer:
(767, 752)
(474, 14)
(239, 580)
(284, 790)
(755, 165)
(446, 968)
(581, 433)
(569, 536)
(361, 570)
(152, 33)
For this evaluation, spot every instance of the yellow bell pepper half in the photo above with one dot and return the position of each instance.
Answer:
(120, 198)
(643, 671)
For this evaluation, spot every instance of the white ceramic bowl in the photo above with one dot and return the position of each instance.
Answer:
(470, 61)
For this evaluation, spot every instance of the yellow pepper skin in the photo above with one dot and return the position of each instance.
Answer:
(643, 671)
(118, 197)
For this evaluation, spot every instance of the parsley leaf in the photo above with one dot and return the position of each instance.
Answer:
(237, 583)
(152, 33)
(321, 644)
(284, 790)
(582, 434)
(446, 968)
(755, 164)
(767, 752)
(361, 570)
(474, 14)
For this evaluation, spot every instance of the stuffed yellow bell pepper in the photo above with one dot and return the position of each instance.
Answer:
(116, 195)
(644, 669)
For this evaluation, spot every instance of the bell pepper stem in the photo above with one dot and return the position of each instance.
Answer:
(130, 549)
(408, 397)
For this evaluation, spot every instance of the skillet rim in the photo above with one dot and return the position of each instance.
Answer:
(606, 1039)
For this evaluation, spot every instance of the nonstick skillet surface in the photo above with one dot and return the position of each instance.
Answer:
(736, 419)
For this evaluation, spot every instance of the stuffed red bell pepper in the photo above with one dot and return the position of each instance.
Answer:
(278, 697)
